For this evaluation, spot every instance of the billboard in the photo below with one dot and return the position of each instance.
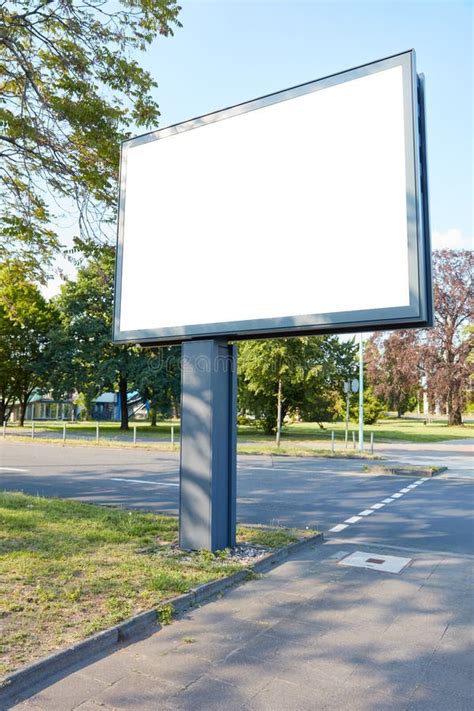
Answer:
(301, 212)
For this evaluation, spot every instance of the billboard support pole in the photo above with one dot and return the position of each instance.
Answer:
(207, 507)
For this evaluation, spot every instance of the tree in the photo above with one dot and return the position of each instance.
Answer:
(446, 346)
(393, 368)
(308, 372)
(373, 407)
(87, 360)
(26, 323)
(157, 377)
(71, 90)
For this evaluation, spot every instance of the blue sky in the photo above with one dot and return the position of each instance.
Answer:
(230, 51)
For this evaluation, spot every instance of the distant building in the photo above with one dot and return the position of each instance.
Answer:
(107, 407)
(42, 406)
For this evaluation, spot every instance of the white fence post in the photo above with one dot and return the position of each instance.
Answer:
(32, 429)
(172, 434)
(134, 434)
(332, 442)
(371, 442)
(354, 440)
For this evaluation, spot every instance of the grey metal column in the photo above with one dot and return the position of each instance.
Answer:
(208, 445)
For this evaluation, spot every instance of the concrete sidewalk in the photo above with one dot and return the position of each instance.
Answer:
(312, 634)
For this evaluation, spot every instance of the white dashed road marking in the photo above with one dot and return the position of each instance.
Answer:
(376, 507)
(339, 527)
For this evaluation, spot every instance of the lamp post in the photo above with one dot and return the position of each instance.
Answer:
(361, 392)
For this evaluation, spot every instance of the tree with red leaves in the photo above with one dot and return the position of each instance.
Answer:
(396, 361)
(392, 363)
(446, 346)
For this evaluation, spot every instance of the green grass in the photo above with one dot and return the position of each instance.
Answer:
(389, 429)
(69, 569)
(271, 537)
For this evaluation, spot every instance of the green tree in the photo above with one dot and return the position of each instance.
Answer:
(373, 406)
(71, 91)
(157, 377)
(26, 323)
(87, 360)
(291, 375)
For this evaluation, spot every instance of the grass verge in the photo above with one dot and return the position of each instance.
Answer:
(293, 450)
(301, 451)
(69, 569)
(301, 435)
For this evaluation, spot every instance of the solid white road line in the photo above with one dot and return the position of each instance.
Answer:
(146, 481)
(12, 469)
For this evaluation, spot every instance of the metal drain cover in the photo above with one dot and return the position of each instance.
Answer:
(385, 563)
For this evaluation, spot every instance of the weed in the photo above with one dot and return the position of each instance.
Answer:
(165, 614)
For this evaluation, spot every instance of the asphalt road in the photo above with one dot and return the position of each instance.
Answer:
(436, 515)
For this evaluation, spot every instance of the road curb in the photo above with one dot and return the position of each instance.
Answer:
(39, 672)
(416, 470)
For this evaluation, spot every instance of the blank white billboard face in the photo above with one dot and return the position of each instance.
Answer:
(295, 213)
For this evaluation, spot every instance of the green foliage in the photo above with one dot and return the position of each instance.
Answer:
(373, 406)
(157, 377)
(311, 369)
(86, 358)
(26, 324)
(165, 614)
(71, 91)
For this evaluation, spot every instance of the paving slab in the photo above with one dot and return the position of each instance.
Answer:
(311, 634)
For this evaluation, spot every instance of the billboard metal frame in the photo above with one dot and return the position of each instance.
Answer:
(419, 313)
